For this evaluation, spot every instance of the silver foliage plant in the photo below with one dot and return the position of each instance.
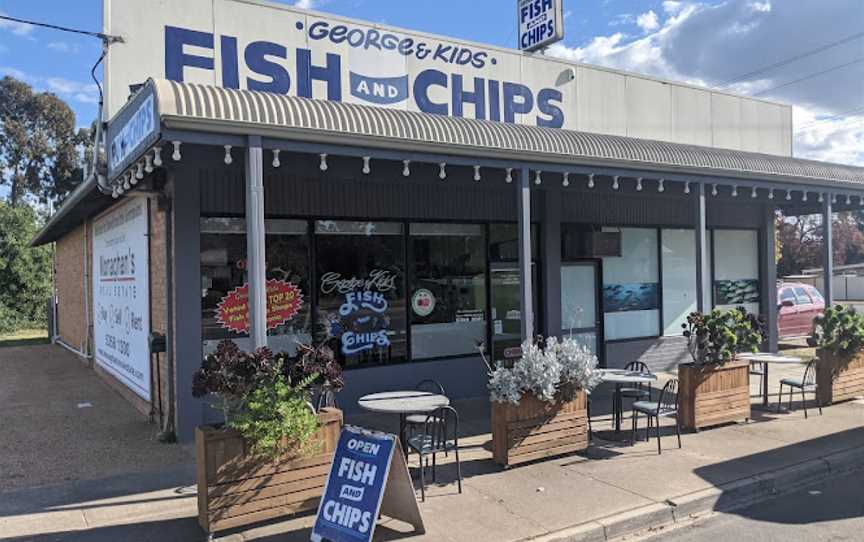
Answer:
(546, 370)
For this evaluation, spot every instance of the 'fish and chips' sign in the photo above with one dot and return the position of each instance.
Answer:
(368, 477)
(267, 47)
(541, 23)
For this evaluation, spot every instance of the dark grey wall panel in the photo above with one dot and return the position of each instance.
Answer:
(462, 378)
(660, 354)
(299, 188)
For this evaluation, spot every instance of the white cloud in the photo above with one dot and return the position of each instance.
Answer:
(67, 89)
(711, 44)
(63, 47)
(305, 4)
(622, 19)
(672, 7)
(648, 22)
(19, 29)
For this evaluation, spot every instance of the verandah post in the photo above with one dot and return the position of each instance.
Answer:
(255, 237)
(524, 209)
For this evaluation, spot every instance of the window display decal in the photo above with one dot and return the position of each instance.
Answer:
(284, 301)
(423, 302)
(640, 296)
(362, 322)
(379, 279)
(734, 292)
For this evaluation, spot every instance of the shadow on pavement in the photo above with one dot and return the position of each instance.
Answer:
(170, 483)
(787, 457)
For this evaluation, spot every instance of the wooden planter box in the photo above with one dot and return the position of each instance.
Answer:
(713, 395)
(839, 379)
(236, 488)
(535, 429)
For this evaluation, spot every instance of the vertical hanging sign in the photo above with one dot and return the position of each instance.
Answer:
(368, 477)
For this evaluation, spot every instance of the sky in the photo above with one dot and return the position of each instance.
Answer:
(784, 50)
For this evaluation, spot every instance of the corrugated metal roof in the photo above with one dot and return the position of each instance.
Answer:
(521, 142)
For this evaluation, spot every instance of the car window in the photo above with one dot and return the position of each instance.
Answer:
(787, 295)
(803, 298)
(815, 294)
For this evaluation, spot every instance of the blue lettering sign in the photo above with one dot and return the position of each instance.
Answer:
(364, 322)
(379, 90)
(140, 125)
(433, 91)
(539, 22)
(355, 487)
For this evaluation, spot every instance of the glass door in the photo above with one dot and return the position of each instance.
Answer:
(506, 307)
(580, 310)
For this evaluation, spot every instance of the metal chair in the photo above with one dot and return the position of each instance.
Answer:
(666, 406)
(806, 384)
(637, 391)
(429, 386)
(440, 434)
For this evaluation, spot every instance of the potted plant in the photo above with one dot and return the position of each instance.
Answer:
(839, 338)
(271, 456)
(715, 388)
(540, 402)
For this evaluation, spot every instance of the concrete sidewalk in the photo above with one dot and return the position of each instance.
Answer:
(611, 490)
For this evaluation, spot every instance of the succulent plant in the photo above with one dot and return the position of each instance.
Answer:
(550, 370)
(839, 330)
(715, 338)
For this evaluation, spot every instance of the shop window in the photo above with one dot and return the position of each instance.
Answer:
(506, 286)
(504, 242)
(631, 296)
(448, 289)
(361, 290)
(224, 283)
(678, 250)
(736, 269)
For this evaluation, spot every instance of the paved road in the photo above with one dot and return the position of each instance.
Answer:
(829, 511)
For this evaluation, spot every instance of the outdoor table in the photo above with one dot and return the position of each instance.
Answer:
(403, 403)
(765, 358)
(620, 377)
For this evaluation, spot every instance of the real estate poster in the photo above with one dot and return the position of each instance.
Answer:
(121, 308)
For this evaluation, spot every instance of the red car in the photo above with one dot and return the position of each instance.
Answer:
(798, 305)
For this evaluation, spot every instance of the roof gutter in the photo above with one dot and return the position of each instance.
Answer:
(83, 190)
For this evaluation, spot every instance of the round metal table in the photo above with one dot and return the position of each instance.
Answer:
(403, 403)
(620, 377)
(766, 358)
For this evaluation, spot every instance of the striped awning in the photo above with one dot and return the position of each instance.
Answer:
(216, 109)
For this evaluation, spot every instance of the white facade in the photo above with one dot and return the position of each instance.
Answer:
(261, 46)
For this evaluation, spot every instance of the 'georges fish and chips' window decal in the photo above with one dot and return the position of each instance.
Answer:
(284, 301)
(362, 322)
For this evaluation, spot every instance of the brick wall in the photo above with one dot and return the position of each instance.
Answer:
(70, 276)
(72, 309)
(158, 287)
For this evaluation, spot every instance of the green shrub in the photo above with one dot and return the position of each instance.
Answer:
(277, 418)
(25, 272)
(840, 330)
(715, 338)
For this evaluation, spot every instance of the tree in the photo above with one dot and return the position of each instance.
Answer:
(40, 150)
(25, 272)
(800, 239)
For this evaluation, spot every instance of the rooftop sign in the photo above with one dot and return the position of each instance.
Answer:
(541, 23)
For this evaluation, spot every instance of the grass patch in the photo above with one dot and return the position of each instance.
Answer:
(24, 337)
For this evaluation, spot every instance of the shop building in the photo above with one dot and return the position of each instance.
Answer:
(405, 197)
